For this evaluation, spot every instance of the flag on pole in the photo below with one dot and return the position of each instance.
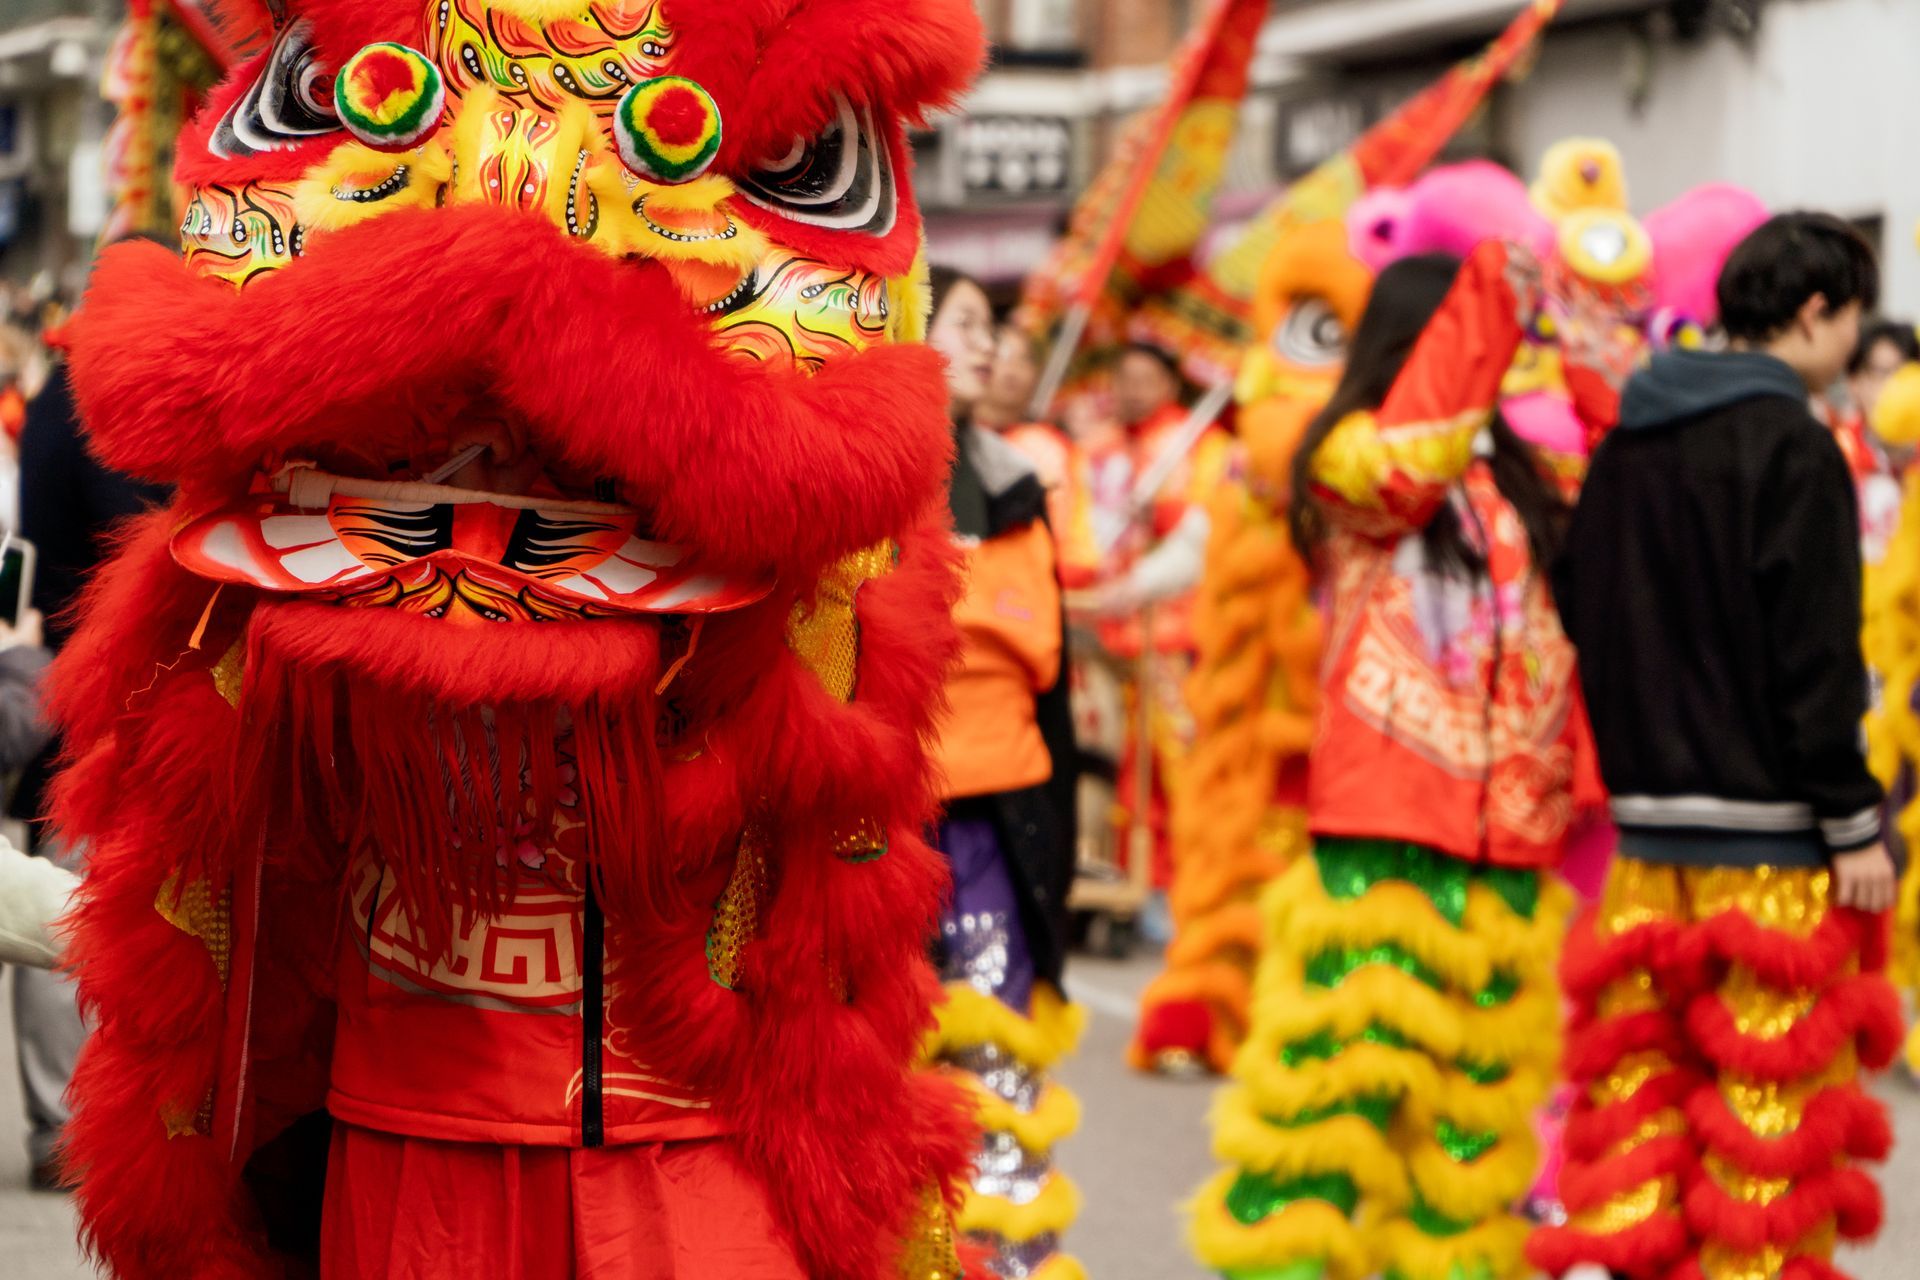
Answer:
(166, 56)
(1147, 209)
(1205, 317)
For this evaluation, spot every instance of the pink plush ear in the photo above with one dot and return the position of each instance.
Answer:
(1451, 210)
(1691, 240)
(1376, 224)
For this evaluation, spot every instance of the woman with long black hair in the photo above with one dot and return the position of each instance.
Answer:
(1406, 1011)
(1006, 753)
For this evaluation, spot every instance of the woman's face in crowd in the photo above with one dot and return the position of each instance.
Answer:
(962, 331)
(1015, 372)
(1882, 363)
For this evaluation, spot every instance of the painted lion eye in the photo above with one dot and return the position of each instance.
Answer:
(289, 102)
(1312, 335)
(842, 178)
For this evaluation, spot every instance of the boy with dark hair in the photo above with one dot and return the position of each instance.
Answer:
(1727, 985)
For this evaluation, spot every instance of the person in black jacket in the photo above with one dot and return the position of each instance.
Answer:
(1006, 756)
(69, 505)
(1728, 982)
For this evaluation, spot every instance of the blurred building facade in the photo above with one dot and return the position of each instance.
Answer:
(1804, 101)
(52, 119)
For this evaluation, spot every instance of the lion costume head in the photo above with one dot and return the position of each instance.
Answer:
(559, 503)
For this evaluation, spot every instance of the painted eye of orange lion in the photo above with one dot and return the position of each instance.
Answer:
(1312, 336)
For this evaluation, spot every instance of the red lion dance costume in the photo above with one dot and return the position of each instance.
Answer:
(503, 760)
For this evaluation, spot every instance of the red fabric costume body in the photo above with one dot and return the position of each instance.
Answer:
(601, 940)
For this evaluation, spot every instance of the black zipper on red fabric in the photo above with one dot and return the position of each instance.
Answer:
(593, 1016)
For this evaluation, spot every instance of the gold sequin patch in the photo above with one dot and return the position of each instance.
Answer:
(1629, 1209)
(1743, 1186)
(865, 842)
(1783, 899)
(1635, 993)
(931, 1253)
(1639, 893)
(1721, 1262)
(198, 912)
(825, 631)
(181, 1123)
(736, 918)
(1762, 1011)
(1667, 1124)
(230, 673)
(1628, 1077)
(1772, 1110)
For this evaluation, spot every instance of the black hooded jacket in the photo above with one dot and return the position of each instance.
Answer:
(1712, 582)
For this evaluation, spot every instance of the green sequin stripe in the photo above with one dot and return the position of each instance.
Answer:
(1254, 1197)
(1484, 1072)
(1465, 1269)
(1349, 868)
(1298, 1269)
(1431, 1221)
(1332, 967)
(1500, 989)
(1323, 1046)
(1376, 1109)
(1463, 1145)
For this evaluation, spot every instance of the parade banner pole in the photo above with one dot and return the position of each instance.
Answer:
(1140, 848)
(1212, 66)
(1211, 405)
(1060, 359)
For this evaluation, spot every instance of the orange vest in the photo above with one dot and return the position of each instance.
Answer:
(1009, 625)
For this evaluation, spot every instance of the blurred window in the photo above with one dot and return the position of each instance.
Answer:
(1043, 24)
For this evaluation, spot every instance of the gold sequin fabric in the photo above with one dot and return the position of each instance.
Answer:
(197, 911)
(1745, 1187)
(736, 918)
(931, 1252)
(182, 1123)
(1792, 902)
(1639, 893)
(230, 673)
(1785, 900)
(1772, 1110)
(1628, 1209)
(1723, 1262)
(1760, 1011)
(863, 842)
(1789, 906)
(825, 631)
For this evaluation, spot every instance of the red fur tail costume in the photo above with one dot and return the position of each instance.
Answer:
(504, 760)
(1722, 1019)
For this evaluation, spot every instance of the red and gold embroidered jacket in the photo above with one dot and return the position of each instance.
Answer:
(1450, 713)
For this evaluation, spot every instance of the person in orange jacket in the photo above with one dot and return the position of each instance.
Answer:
(1149, 551)
(1006, 752)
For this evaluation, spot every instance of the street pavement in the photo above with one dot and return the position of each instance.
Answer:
(1141, 1151)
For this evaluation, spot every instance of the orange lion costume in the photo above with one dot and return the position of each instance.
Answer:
(1238, 816)
(504, 760)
